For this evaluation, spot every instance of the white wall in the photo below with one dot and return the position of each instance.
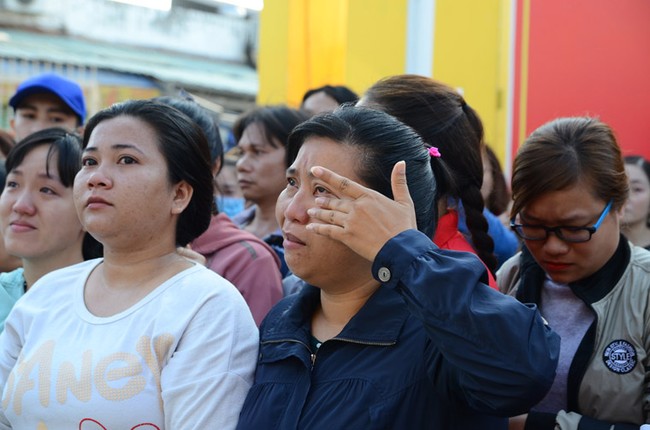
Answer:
(189, 31)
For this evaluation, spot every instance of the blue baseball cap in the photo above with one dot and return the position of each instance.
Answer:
(68, 91)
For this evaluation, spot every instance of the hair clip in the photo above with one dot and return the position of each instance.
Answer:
(433, 151)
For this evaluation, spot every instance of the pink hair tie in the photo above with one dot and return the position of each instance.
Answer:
(433, 151)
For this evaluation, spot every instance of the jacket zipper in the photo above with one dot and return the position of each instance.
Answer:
(312, 354)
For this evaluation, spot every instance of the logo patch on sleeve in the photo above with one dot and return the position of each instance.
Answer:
(620, 356)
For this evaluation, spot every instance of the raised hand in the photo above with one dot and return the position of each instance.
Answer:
(361, 218)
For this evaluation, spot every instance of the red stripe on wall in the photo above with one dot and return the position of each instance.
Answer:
(591, 57)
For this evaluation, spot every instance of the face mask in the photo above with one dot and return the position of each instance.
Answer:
(231, 206)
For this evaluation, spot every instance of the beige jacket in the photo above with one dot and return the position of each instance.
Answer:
(615, 386)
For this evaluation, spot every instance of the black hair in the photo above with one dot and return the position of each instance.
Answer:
(6, 142)
(382, 141)
(567, 151)
(340, 93)
(185, 150)
(67, 146)
(63, 143)
(276, 123)
(3, 175)
(640, 161)
(444, 120)
(205, 119)
(499, 197)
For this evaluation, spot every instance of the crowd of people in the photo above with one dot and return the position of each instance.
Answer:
(357, 262)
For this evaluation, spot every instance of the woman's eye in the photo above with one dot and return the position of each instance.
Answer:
(11, 184)
(47, 190)
(127, 160)
(321, 190)
(88, 162)
(291, 182)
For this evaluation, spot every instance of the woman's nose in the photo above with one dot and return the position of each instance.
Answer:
(295, 207)
(554, 245)
(98, 178)
(24, 204)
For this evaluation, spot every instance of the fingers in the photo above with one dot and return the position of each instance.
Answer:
(333, 204)
(340, 184)
(326, 230)
(324, 215)
(399, 184)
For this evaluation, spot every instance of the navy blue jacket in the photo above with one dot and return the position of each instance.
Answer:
(433, 347)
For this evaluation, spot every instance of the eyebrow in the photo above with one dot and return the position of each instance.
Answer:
(18, 172)
(117, 146)
(57, 109)
(292, 171)
(562, 221)
(253, 144)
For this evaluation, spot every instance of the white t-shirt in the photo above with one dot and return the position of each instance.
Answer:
(183, 357)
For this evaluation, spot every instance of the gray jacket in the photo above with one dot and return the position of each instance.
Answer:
(614, 386)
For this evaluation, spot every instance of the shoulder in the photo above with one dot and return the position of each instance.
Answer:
(640, 258)
(508, 274)
(639, 269)
(52, 295)
(412, 248)
(197, 296)
(290, 311)
(66, 275)
(13, 281)
(199, 286)
(282, 307)
(12, 288)
(225, 244)
(245, 216)
(203, 281)
(252, 249)
(291, 284)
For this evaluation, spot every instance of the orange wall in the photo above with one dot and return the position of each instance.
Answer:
(308, 43)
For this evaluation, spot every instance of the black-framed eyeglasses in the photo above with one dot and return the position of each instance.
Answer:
(567, 234)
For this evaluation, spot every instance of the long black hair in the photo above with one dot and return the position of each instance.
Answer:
(275, 122)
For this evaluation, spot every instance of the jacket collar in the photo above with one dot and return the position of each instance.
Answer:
(447, 228)
(379, 321)
(593, 288)
(590, 289)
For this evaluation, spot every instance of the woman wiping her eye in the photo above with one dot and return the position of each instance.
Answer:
(388, 331)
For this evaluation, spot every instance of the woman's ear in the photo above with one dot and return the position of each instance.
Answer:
(182, 196)
(619, 213)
